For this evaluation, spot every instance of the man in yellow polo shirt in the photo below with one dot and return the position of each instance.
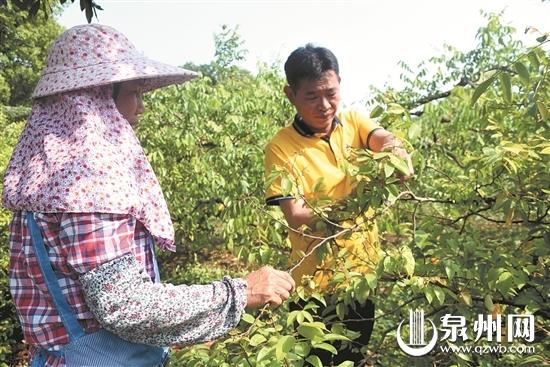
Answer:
(313, 150)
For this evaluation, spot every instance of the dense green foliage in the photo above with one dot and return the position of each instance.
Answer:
(10, 332)
(45, 8)
(469, 235)
(205, 140)
(23, 47)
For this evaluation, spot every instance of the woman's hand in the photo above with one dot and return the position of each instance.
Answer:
(268, 286)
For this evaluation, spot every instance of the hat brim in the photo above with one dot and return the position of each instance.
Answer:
(156, 75)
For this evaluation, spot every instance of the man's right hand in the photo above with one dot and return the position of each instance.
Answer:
(268, 286)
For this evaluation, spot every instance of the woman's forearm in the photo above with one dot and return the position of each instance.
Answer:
(126, 302)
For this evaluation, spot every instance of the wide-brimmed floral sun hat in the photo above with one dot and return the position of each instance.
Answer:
(93, 55)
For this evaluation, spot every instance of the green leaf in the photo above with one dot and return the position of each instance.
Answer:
(542, 110)
(534, 360)
(319, 185)
(481, 88)
(488, 302)
(306, 315)
(371, 280)
(522, 70)
(286, 186)
(440, 295)
(309, 331)
(506, 86)
(257, 339)
(534, 60)
(493, 275)
(400, 164)
(388, 170)
(505, 282)
(509, 212)
(450, 270)
(248, 318)
(314, 361)
(415, 130)
(409, 260)
(362, 291)
(429, 293)
(340, 310)
(466, 297)
(338, 278)
(346, 364)
(532, 110)
(302, 349)
(380, 155)
(284, 345)
(330, 337)
(319, 297)
(545, 150)
(464, 357)
(395, 109)
(263, 353)
(326, 346)
(376, 111)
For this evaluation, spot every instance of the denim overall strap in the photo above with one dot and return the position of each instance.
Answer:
(70, 322)
(155, 263)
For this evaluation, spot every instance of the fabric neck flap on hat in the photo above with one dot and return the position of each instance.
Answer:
(78, 154)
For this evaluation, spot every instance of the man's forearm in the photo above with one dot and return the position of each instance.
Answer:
(297, 213)
(382, 140)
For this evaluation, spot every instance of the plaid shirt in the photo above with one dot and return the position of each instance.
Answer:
(76, 243)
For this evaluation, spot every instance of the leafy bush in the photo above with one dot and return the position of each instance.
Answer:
(468, 236)
(16, 113)
(205, 141)
(10, 331)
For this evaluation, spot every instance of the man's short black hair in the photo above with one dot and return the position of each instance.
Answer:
(309, 62)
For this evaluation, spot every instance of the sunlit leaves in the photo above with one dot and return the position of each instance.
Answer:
(522, 71)
(395, 109)
(311, 330)
(376, 111)
(543, 110)
(506, 86)
(284, 345)
(469, 240)
(481, 88)
(315, 361)
(488, 302)
(257, 339)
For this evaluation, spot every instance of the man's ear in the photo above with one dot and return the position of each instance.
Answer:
(289, 93)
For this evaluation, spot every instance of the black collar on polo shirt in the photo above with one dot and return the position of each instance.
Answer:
(301, 127)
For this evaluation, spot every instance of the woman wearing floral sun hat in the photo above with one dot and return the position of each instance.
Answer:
(87, 210)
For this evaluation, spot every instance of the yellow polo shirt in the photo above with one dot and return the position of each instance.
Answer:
(312, 161)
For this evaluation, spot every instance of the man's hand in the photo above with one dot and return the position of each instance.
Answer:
(268, 286)
(402, 153)
(388, 142)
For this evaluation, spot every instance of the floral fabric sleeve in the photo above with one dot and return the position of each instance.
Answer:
(126, 302)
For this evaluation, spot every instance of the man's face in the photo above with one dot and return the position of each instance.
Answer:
(317, 100)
